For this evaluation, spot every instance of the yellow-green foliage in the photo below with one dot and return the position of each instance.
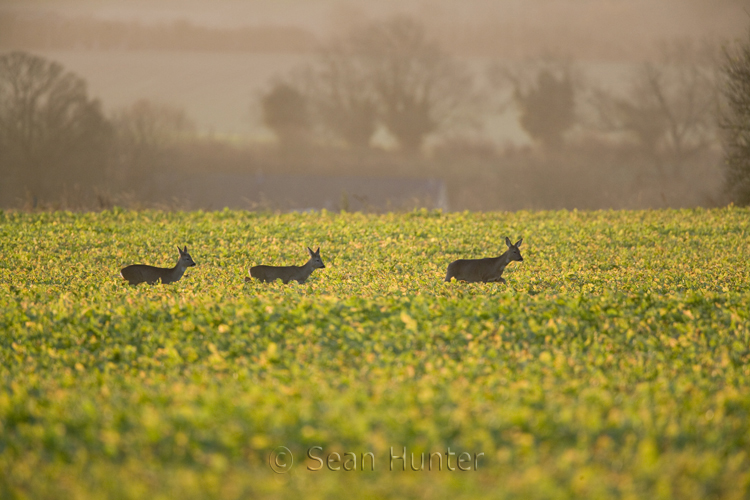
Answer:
(614, 364)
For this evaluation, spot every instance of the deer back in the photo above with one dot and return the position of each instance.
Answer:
(476, 270)
(484, 270)
(286, 274)
(142, 273)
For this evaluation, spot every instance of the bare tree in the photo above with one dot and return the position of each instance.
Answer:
(669, 108)
(389, 74)
(419, 88)
(643, 121)
(144, 132)
(51, 134)
(735, 120)
(343, 96)
(149, 125)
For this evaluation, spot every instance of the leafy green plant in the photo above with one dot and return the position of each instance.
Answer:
(614, 363)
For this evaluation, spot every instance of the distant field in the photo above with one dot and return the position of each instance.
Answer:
(614, 364)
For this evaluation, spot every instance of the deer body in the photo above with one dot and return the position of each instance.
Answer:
(484, 270)
(142, 273)
(286, 274)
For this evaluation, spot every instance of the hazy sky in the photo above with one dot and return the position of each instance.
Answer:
(220, 91)
(624, 18)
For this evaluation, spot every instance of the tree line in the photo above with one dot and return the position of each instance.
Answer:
(392, 77)
(388, 81)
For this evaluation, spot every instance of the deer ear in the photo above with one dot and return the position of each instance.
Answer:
(518, 243)
(310, 250)
(317, 251)
(179, 249)
(185, 248)
(507, 242)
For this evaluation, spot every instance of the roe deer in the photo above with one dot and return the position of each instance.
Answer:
(484, 270)
(288, 273)
(141, 273)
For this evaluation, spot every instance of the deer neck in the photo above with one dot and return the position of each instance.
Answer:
(177, 271)
(503, 261)
(307, 268)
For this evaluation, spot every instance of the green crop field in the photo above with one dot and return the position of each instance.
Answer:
(615, 363)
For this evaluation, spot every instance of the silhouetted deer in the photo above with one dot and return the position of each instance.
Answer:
(141, 273)
(288, 273)
(484, 270)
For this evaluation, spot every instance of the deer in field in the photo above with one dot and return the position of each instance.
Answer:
(142, 273)
(484, 270)
(286, 274)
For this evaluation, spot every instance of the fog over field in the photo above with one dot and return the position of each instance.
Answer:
(216, 61)
(601, 36)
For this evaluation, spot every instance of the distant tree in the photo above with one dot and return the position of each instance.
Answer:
(344, 98)
(669, 108)
(386, 74)
(286, 112)
(418, 88)
(150, 125)
(547, 107)
(638, 117)
(735, 120)
(51, 134)
(144, 133)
